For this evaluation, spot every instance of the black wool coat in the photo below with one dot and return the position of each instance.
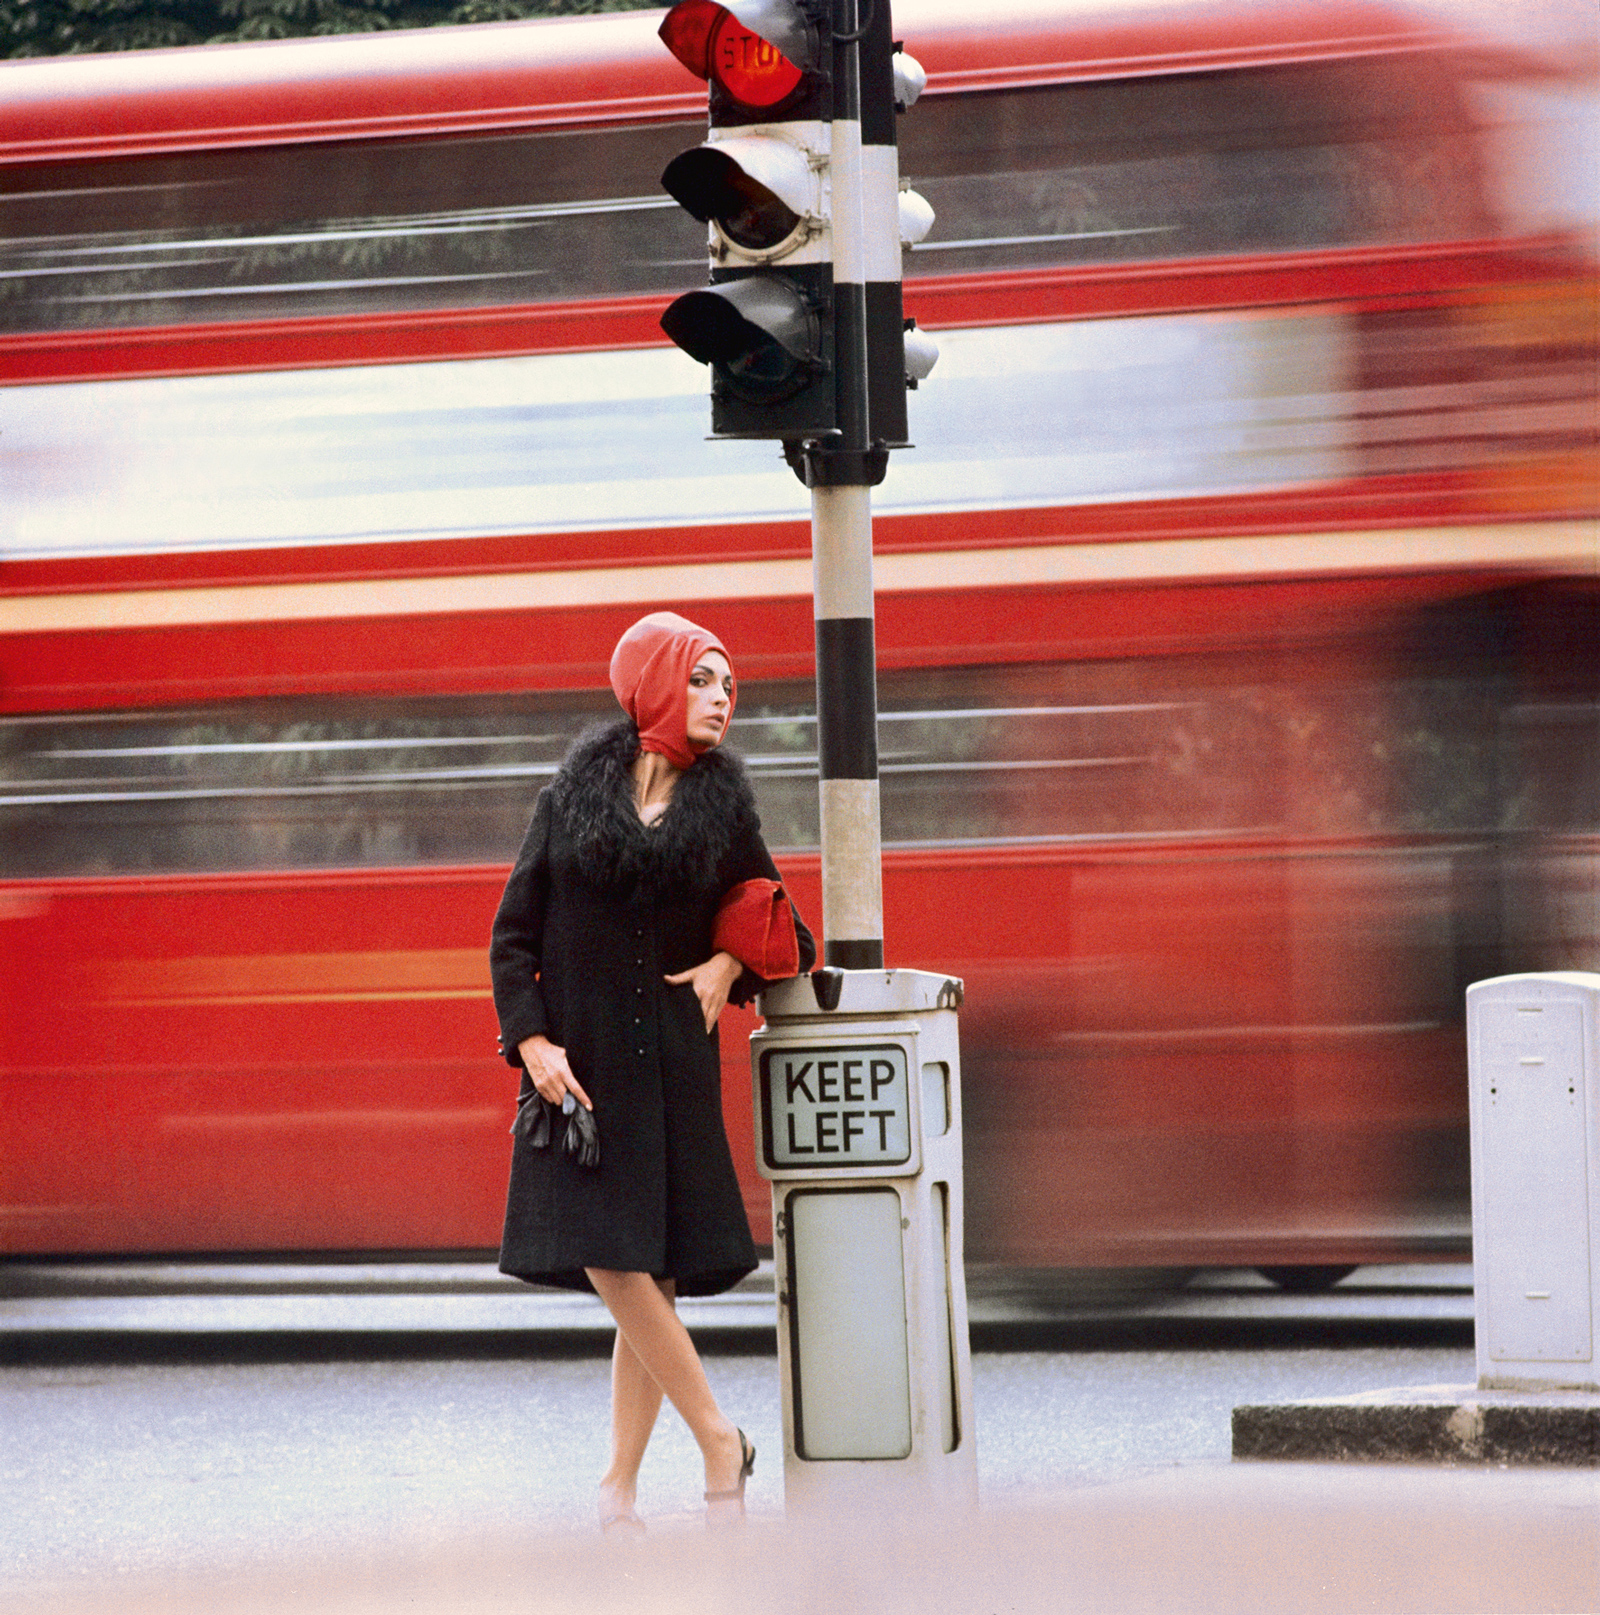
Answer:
(598, 910)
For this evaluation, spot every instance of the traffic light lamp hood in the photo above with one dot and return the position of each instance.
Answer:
(922, 354)
(758, 324)
(916, 217)
(910, 80)
(758, 190)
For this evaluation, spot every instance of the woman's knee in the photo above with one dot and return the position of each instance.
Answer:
(609, 1281)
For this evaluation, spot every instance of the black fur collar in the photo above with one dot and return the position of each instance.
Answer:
(683, 849)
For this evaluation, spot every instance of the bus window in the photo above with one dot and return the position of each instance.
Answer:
(1260, 160)
(1265, 160)
(271, 232)
(1142, 749)
(278, 784)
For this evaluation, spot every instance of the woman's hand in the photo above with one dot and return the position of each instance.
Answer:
(712, 982)
(551, 1074)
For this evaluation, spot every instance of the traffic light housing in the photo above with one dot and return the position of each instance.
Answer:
(759, 184)
(797, 183)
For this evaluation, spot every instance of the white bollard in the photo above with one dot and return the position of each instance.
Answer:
(858, 1129)
(1533, 1056)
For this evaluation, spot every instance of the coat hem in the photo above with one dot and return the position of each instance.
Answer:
(711, 1282)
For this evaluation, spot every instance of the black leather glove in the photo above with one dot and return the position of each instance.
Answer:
(583, 1137)
(532, 1124)
(536, 1117)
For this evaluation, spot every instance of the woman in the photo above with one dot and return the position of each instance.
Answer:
(608, 990)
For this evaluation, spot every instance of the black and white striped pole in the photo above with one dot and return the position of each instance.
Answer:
(857, 1068)
(847, 728)
(841, 471)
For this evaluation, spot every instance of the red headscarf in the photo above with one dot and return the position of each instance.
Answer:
(650, 671)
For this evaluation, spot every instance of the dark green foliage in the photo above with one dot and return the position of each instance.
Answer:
(60, 27)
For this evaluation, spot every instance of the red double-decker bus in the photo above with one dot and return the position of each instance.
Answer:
(1236, 608)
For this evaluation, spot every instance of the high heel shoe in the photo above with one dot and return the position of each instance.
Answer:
(626, 1524)
(617, 1519)
(734, 1494)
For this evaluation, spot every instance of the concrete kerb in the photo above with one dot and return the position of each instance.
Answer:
(1442, 1424)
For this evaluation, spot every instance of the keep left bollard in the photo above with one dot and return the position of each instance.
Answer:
(858, 1129)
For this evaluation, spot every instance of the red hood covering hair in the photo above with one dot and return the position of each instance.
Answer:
(650, 671)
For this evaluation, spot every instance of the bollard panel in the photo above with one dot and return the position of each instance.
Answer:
(858, 1119)
(1533, 1048)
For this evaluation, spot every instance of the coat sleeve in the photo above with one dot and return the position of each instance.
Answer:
(752, 861)
(516, 944)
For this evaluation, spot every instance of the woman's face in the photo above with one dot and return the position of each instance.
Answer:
(710, 699)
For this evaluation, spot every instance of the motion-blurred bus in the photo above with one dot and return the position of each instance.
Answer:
(1236, 608)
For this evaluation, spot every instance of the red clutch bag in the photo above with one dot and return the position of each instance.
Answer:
(756, 925)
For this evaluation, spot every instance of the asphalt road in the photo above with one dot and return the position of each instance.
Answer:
(98, 1305)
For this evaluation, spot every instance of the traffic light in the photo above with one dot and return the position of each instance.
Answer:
(797, 182)
(760, 184)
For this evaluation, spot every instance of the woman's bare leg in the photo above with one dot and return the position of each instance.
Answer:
(658, 1340)
(635, 1402)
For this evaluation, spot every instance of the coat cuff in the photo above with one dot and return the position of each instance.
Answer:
(745, 987)
(528, 1021)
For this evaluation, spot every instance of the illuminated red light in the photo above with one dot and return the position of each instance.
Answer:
(713, 43)
(753, 72)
